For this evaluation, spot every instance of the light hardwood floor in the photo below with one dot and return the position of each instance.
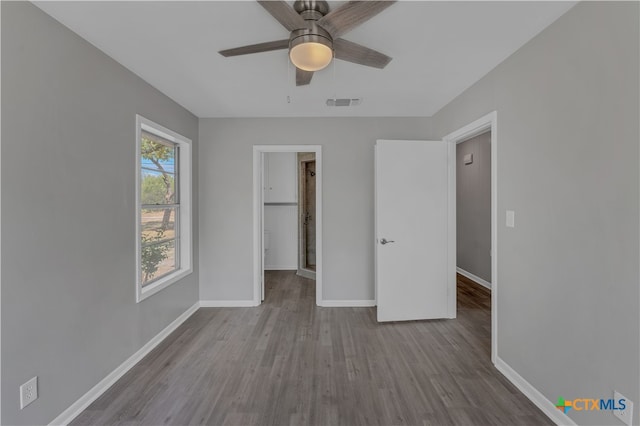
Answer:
(289, 362)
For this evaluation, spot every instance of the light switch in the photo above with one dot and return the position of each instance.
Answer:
(468, 159)
(511, 219)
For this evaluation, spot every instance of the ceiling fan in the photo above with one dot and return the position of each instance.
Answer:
(315, 32)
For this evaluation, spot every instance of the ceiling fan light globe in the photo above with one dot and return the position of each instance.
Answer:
(311, 56)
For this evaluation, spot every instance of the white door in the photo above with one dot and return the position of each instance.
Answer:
(411, 229)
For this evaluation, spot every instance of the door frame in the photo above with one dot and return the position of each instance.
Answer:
(486, 123)
(258, 215)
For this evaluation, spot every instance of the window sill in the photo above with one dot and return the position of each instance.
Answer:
(162, 283)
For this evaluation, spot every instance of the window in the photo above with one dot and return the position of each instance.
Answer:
(163, 200)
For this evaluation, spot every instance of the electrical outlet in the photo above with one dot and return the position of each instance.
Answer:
(28, 392)
(626, 415)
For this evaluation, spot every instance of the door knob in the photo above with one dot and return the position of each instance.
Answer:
(384, 241)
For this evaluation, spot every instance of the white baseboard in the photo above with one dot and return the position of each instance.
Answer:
(539, 400)
(347, 303)
(281, 268)
(475, 278)
(81, 404)
(227, 303)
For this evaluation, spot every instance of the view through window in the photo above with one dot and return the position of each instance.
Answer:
(160, 207)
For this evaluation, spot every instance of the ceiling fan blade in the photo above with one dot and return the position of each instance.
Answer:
(356, 53)
(256, 48)
(345, 18)
(283, 13)
(303, 77)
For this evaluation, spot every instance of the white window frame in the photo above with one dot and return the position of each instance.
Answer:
(184, 189)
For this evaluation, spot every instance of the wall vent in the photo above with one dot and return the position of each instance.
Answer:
(344, 102)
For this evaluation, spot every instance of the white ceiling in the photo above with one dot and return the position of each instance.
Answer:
(439, 50)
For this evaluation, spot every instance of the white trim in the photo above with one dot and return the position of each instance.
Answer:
(94, 393)
(375, 223)
(452, 229)
(185, 171)
(481, 125)
(0, 244)
(534, 395)
(258, 218)
(475, 278)
(162, 283)
(348, 303)
(228, 303)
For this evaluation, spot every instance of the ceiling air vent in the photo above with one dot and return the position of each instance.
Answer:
(344, 102)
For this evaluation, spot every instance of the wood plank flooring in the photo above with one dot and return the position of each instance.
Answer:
(289, 362)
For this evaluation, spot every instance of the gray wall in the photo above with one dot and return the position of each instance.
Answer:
(568, 135)
(68, 214)
(473, 211)
(226, 202)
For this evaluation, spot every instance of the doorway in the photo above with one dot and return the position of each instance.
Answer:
(488, 123)
(313, 228)
(473, 209)
(307, 215)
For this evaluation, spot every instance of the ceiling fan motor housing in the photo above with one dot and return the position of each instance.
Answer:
(312, 34)
(311, 9)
